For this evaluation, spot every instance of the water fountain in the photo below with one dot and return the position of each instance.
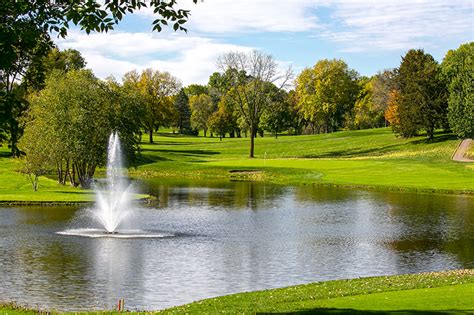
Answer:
(113, 202)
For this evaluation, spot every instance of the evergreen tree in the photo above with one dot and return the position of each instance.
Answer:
(458, 72)
(422, 99)
(183, 111)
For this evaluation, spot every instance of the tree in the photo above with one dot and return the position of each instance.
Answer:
(70, 121)
(156, 90)
(196, 89)
(297, 120)
(26, 28)
(326, 92)
(383, 83)
(277, 117)
(249, 75)
(37, 159)
(201, 109)
(457, 68)
(391, 112)
(366, 113)
(422, 99)
(222, 121)
(183, 112)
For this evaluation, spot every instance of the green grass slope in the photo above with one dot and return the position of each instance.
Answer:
(366, 158)
(373, 158)
(449, 292)
(405, 294)
(16, 187)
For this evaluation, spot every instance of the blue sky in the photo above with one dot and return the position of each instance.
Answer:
(369, 35)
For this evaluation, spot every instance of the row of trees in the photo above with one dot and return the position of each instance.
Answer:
(71, 113)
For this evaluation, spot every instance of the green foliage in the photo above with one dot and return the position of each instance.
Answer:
(422, 99)
(277, 116)
(13, 105)
(183, 113)
(367, 114)
(326, 92)
(155, 90)
(196, 89)
(383, 83)
(201, 109)
(70, 121)
(223, 120)
(26, 28)
(250, 76)
(458, 72)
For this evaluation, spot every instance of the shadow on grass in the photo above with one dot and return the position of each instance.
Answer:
(436, 139)
(81, 192)
(353, 152)
(149, 159)
(360, 312)
(168, 143)
(5, 154)
(184, 152)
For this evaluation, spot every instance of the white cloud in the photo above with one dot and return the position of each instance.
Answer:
(232, 16)
(357, 25)
(191, 59)
(363, 25)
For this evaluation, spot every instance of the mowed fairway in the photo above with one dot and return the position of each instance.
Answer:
(369, 158)
(373, 158)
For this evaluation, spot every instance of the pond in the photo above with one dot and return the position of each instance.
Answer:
(229, 237)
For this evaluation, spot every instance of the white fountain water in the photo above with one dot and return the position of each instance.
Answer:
(113, 203)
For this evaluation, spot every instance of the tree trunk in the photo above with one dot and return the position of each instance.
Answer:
(150, 133)
(252, 141)
(205, 131)
(276, 135)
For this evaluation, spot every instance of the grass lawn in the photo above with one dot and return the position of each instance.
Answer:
(450, 292)
(373, 158)
(441, 291)
(366, 158)
(16, 187)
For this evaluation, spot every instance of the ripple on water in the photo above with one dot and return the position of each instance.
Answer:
(98, 233)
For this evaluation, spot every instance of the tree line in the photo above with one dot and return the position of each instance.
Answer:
(65, 114)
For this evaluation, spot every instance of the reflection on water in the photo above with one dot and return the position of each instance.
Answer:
(229, 237)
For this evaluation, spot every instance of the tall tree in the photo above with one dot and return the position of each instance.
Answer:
(383, 83)
(26, 28)
(458, 73)
(201, 109)
(326, 92)
(222, 121)
(249, 75)
(422, 99)
(367, 114)
(196, 89)
(277, 117)
(72, 118)
(156, 90)
(183, 112)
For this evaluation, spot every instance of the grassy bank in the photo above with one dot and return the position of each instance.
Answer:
(373, 158)
(441, 291)
(437, 292)
(368, 158)
(16, 187)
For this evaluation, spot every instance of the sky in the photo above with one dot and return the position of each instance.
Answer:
(369, 35)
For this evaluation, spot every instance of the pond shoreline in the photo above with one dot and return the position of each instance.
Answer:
(319, 295)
